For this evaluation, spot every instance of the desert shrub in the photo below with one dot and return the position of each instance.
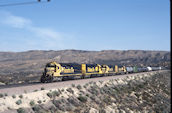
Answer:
(49, 94)
(101, 82)
(73, 101)
(91, 82)
(52, 109)
(82, 98)
(62, 90)
(20, 96)
(25, 91)
(101, 91)
(6, 94)
(73, 85)
(14, 96)
(93, 97)
(39, 101)
(70, 90)
(82, 92)
(77, 110)
(107, 100)
(32, 103)
(94, 83)
(21, 110)
(85, 86)
(63, 100)
(79, 87)
(68, 107)
(87, 95)
(36, 108)
(94, 90)
(59, 105)
(102, 111)
(18, 102)
(42, 88)
(62, 108)
(55, 93)
(1, 95)
(35, 90)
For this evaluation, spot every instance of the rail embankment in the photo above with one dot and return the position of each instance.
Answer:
(146, 92)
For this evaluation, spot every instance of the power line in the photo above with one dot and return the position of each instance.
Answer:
(23, 3)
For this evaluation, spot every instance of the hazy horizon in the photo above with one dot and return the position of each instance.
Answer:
(88, 50)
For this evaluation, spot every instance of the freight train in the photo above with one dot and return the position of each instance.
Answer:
(55, 71)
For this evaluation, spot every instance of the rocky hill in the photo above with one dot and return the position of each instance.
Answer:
(30, 64)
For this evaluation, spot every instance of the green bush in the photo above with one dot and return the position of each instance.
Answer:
(73, 101)
(14, 96)
(56, 93)
(53, 109)
(85, 86)
(79, 87)
(107, 100)
(53, 94)
(18, 102)
(49, 94)
(87, 95)
(1, 95)
(82, 98)
(39, 101)
(20, 96)
(36, 108)
(6, 94)
(32, 103)
(35, 90)
(102, 110)
(101, 82)
(62, 90)
(25, 91)
(42, 88)
(70, 90)
(73, 85)
(21, 110)
(57, 103)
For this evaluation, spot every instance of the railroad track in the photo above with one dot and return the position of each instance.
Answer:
(35, 83)
(23, 88)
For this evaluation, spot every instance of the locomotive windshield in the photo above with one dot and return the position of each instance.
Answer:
(50, 65)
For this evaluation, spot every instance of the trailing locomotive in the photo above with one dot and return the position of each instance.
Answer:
(56, 71)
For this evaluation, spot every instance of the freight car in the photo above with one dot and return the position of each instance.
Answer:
(56, 71)
(129, 69)
(142, 69)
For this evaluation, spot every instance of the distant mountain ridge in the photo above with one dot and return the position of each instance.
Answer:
(31, 63)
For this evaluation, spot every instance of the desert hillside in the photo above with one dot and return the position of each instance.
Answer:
(136, 93)
(28, 66)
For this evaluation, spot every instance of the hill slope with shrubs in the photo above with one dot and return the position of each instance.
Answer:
(23, 67)
(149, 92)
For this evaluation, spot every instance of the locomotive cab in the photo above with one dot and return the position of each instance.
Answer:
(51, 69)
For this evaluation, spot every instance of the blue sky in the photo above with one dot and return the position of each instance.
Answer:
(86, 25)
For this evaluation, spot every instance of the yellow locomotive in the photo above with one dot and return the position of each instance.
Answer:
(55, 70)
